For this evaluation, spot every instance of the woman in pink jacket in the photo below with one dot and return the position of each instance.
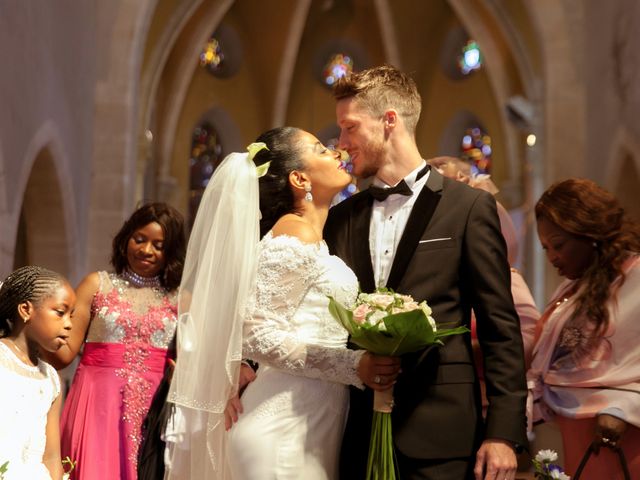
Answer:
(586, 360)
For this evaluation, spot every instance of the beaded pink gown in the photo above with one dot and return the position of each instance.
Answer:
(127, 346)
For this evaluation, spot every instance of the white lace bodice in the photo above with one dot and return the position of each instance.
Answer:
(27, 395)
(288, 325)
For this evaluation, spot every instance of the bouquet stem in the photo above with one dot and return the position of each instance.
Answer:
(381, 461)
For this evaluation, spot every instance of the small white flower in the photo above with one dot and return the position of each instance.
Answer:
(546, 456)
(558, 475)
(376, 318)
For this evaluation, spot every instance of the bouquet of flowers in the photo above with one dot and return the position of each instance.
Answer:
(544, 469)
(387, 323)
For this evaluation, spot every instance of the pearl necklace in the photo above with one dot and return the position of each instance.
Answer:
(141, 282)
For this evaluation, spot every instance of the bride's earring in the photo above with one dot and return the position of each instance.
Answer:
(307, 196)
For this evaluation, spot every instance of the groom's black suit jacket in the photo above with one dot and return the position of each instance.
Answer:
(452, 255)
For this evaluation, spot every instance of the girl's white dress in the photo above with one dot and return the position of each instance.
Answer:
(294, 412)
(27, 395)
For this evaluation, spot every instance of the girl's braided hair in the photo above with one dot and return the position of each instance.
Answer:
(26, 284)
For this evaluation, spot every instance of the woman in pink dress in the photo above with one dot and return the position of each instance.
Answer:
(126, 321)
(586, 361)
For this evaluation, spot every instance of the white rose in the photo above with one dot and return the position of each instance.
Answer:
(425, 308)
(381, 300)
(432, 322)
(427, 312)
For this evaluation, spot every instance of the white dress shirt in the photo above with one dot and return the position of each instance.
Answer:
(388, 220)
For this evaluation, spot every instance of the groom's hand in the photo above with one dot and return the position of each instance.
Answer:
(247, 375)
(234, 405)
(496, 460)
(231, 412)
(378, 372)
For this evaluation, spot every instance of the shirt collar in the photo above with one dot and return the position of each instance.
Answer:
(410, 179)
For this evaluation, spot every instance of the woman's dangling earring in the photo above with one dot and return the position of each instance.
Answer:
(307, 196)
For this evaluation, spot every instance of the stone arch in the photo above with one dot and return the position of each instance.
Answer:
(45, 219)
(169, 67)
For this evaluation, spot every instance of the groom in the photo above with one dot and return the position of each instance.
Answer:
(437, 240)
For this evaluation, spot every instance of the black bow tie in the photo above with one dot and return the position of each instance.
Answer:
(381, 193)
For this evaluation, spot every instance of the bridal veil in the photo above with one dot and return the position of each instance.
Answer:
(219, 275)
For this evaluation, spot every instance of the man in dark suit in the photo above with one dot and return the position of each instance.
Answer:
(437, 240)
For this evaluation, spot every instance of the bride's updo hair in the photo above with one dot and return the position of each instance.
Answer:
(276, 197)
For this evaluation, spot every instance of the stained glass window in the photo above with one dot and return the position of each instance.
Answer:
(212, 56)
(476, 149)
(206, 155)
(470, 58)
(339, 65)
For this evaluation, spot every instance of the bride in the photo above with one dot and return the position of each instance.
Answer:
(266, 301)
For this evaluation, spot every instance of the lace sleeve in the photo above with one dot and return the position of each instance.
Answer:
(287, 270)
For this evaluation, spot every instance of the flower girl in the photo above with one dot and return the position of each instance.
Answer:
(35, 315)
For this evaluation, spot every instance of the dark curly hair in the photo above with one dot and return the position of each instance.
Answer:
(173, 246)
(582, 208)
(26, 284)
(276, 196)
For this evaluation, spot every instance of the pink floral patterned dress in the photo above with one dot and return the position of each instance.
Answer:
(122, 363)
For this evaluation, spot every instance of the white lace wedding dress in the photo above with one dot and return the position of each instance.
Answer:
(294, 412)
(27, 395)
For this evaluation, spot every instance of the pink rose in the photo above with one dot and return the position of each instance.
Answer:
(360, 313)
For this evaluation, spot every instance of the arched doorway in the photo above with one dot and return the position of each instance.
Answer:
(42, 235)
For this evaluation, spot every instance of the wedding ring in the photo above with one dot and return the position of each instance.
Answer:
(377, 379)
(606, 441)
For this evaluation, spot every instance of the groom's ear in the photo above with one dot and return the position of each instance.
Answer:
(390, 119)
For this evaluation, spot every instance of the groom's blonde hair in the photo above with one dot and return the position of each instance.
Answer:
(380, 88)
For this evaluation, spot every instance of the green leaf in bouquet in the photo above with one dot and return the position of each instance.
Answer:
(343, 315)
(373, 340)
(446, 332)
(411, 331)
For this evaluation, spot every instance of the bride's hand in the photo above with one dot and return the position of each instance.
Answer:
(378, 372)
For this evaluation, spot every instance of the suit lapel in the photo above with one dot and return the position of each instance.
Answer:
(421, 213)
(360, 251)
